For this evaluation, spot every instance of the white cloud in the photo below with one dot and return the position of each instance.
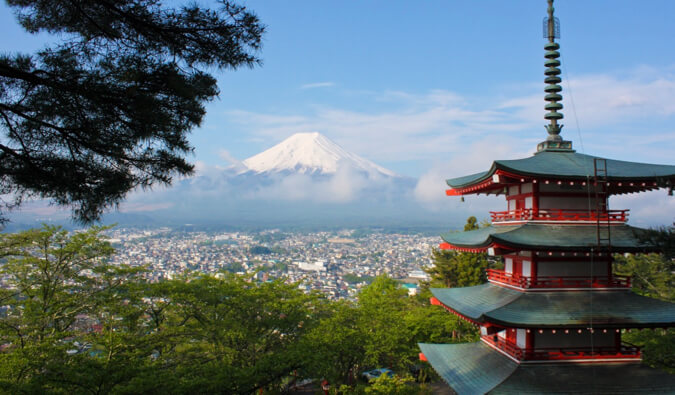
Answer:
(317, 85)
(605, 99)
(235, 163)
(475, 158)
(647, 209)
(417, 132)
(346, 185)
(636, 108)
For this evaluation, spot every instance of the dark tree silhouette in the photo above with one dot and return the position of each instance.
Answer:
(109, 107)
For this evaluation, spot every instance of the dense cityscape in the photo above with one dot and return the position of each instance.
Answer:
(335, 263)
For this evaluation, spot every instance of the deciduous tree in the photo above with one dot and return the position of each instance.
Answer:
(57, 289)
(653, 275)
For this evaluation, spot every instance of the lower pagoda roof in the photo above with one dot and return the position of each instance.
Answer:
(488, 303)
(546, 237)
(476, 368)
(568, 166)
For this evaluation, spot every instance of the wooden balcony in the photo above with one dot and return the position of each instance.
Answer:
(554, 282)
(625, 351)
(528, 214)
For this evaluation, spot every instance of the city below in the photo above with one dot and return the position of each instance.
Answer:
(335, 263)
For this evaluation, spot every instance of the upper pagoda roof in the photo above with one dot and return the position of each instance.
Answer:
(476, 368)
(572, 166)
(503, 306)
(546, 237)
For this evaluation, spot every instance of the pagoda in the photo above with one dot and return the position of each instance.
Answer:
(552, 320)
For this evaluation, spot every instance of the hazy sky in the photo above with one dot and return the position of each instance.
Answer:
(438, 89)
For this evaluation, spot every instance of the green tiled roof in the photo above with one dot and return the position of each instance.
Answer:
(534, 236)
(475, 368)
(617, 378)
(492, 303)
(469, 368)
(474, 302)
(568, 165)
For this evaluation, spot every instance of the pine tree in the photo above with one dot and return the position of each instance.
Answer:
(108, 108)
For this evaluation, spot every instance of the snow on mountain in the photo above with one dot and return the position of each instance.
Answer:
(311, 153)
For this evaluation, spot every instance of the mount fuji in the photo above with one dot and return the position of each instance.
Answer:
(306, 180)
(311, 154)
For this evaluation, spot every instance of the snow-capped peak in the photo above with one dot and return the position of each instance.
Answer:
(310, 153)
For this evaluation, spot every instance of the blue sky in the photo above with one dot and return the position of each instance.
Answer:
(438, 89)
(427, 80)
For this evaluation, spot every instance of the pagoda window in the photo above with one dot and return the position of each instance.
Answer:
(582, 203)
(526, 268)
(508, 265)
(521, 338)
(517, 265)
(572, 268)
(564, 188)
(574, 339)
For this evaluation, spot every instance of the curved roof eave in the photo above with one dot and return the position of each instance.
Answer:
(548, 237)
(503, 306)
(476, 368)
(568, 165)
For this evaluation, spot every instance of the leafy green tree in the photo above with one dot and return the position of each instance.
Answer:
(381, 330)
(72, 322)
(430, 324)
(53, 281)
(653, 275)
(457, 269)
(108, 108)
(471, 224)
(232, 335)
(657, 347)
(338, 345)
(382, 307)
(396, 385)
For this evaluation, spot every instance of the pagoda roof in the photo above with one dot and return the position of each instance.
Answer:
(476, 368)
(504, 306)
(545, 237)
(566, 166)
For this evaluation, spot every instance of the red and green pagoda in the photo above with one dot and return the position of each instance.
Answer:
(552, 320)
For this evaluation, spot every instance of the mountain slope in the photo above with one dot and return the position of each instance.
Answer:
(311, 153)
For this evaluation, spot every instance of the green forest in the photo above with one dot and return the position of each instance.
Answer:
(73, 323)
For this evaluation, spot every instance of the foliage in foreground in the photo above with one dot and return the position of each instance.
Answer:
(73, 323)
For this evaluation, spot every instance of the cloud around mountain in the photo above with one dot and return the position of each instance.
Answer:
(305, 178)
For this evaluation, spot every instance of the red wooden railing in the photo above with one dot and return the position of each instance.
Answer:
(526, 214)
(517, 280)
(623, 351)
